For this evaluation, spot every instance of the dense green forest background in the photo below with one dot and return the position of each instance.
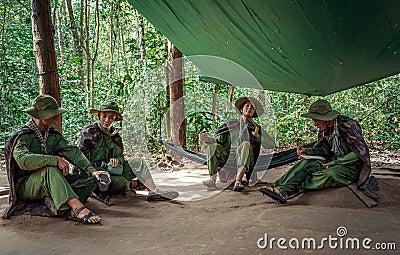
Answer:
(109, 51)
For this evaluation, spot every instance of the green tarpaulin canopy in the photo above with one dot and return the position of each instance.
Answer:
(313, 47)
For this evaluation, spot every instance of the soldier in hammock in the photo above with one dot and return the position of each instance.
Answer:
(243, 137)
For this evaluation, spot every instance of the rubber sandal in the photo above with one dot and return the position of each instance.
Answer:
(139, 186)
(238, 186)
(277, 197)
(162, 195)
(210, 185)
(85, 218)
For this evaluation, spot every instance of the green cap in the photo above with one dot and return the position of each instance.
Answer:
(321, 110)
(44, 107)
(107, 106)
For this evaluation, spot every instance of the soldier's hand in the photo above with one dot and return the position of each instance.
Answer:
(301, 150)
(96, 174)
(63, 165)
(114, 162)
(257, 128)
(203, 137)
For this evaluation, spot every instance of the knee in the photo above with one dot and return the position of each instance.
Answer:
(51, 171)
(328, 173)
(91, 182)
(245, 145)
(136, 162)
(211, 148)
(119, 181)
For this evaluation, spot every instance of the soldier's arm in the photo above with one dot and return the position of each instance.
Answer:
(323, 149)
(28, 160)
(117, 153)
(73, 154)
(349, 158)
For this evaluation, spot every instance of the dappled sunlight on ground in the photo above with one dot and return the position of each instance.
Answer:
(187, 181)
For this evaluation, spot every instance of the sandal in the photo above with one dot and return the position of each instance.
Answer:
(272, 194)
(238, 186)
(210, 185)
(84, 219)
(161, 195)
(139, 185)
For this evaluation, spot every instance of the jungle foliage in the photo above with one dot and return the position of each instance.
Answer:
(128, 65)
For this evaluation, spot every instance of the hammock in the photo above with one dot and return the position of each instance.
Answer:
(264, 162)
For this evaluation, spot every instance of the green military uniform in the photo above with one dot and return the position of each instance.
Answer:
(31, 161)
(245, 151)
(42, 176)
(309, 174)
(347, 158)
(234, 144)
(100, 146)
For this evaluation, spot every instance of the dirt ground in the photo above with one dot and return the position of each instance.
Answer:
(220, 222)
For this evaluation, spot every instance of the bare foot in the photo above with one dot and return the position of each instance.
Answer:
(274, 189)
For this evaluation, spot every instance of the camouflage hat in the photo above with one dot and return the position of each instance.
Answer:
(321, 110)
(256, 104)
(44, 107)
(107, 106)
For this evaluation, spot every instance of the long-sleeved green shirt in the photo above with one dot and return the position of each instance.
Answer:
(324, 149)
(265, 140)
(105, 149)
(29, 157)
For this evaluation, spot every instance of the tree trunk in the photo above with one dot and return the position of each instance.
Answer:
(214, 102)
(229, 101)
(95, 50)
(177, 109)
(143, 66)
(75, 34)
(141, 37)
(77, 41)
(59, 30)
(121, 32)
(112, 45)
(87, 53)
(44, 49)
(167, 102)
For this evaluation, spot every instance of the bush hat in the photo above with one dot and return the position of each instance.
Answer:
(107, 106)
(44, 107)
(321, 110)
(256, 104)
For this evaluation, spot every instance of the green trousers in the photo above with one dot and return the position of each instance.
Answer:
(49, 181)
(310, 175)
(131, 168)
(218, 154)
